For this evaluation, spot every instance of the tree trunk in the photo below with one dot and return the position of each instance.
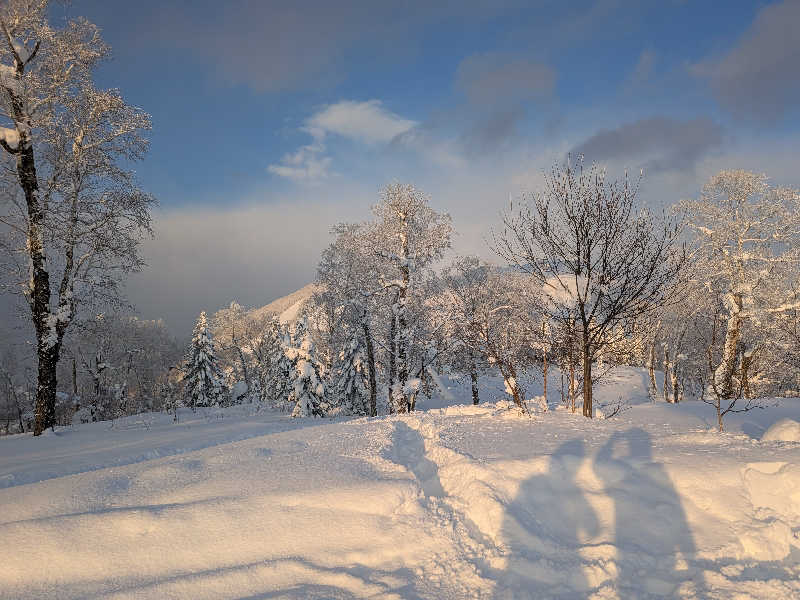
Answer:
(587, 378)
(651, 370)
(724, 373)
(509, 374)
(744, 374)
(544, 372)
(45, 413)
(392, 365)
(667, 374)
(373, 392)
(473, 375)
(572, 386)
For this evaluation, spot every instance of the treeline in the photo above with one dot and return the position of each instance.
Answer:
(707, 293)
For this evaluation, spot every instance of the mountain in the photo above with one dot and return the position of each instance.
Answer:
(288, 307)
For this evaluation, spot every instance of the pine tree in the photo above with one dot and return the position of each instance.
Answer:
(352, 383)
(204, 383)
(308, 391)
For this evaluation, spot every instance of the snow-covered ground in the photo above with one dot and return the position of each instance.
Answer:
(452, 502)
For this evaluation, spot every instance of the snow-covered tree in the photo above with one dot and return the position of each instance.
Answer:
(747, 252)
(308, 390)
(352, 378)
(74, 216)
(233, 331)
(204, 382)
(409, 235)
(604, 261)
(348, 275)
(496, 320)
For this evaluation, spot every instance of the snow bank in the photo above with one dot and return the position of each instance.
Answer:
(785, 430)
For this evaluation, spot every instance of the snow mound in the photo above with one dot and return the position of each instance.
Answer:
(785, 430)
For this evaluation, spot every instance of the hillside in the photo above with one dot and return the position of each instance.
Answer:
(287, 307)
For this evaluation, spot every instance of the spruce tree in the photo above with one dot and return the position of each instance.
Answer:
(352, 383)
(308, 391)
(204, 383)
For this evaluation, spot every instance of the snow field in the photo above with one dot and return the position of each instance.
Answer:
(456, 502)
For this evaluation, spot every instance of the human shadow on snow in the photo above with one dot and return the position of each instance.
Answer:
(560, 547)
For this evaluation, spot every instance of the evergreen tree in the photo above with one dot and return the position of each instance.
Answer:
(279, 369)
(204, 383)
(308, 391)
(352, 378)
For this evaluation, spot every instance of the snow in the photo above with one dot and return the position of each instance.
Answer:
(785, 430)
(459, 501)
(10, 137)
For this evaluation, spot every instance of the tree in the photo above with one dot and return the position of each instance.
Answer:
(409, 235)
(308, 391)
(494, 321)
(204, 383)
(73, 212)
(352, 378)
(347, 274)
(746, 254)
(603, 261)
(232, 331)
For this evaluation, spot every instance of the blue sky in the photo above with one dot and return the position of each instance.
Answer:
(274, 120)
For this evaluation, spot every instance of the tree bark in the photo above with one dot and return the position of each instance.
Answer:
(667, 374)
(587, 378)
(651, 370)
(473, 375)
(723, 376)
(392, 365)
(544, 362)
(373, 393)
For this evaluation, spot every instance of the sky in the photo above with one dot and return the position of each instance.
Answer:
(272, 120)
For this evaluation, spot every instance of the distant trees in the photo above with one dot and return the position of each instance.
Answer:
(602, 260)
(73, 214)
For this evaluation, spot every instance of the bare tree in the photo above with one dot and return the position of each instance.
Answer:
(75, 213)
(601, 259)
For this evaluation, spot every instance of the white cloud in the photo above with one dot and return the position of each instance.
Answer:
(367, 122)
(364, 122)
(308, 163)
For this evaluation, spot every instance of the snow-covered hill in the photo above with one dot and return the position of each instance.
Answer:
(287, 308)
(453, 502)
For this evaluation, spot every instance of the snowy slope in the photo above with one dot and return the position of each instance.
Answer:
(288, 307)
(458, 502)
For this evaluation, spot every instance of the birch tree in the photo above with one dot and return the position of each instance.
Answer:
(747, 250)
(409, 236)
(72, 211)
